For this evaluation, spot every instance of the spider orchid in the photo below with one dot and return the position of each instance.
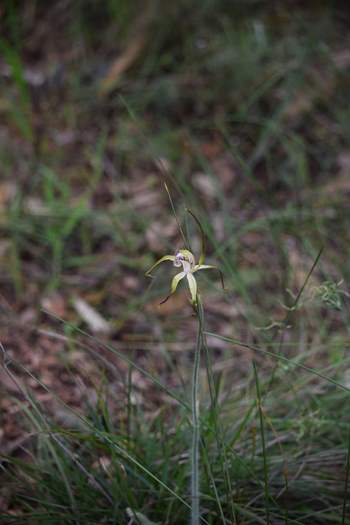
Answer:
(185, 259)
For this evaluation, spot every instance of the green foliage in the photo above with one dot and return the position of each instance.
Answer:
(94, 470)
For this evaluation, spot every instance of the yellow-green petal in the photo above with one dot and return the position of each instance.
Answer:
(192, 283)
(174, 284)
(162, 259)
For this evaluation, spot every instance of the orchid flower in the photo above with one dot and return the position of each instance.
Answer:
(185, 259)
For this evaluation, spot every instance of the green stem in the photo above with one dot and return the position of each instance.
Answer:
(346, 483)
(263, 442)
(217, 429)
(195, 498)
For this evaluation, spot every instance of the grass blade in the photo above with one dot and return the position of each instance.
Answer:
(262, 431)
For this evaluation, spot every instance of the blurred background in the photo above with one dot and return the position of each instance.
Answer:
(242, 108)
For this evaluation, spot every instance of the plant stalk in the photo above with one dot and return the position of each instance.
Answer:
(195, 406)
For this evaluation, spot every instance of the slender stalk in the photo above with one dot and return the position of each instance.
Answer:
(346, 483)
(195, 406)
(214, 411)
(261, 418)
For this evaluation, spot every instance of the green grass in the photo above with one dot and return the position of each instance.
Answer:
(147, 465)
(245, 106)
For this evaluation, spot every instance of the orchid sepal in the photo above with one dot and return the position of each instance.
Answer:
(174, 284)
(210, 267)
(162, 259)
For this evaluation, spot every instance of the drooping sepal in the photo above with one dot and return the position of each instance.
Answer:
(162, 259)
(174, 285)
(210, 267)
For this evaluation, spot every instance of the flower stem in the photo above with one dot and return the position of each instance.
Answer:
(224, 460)
(195, 405)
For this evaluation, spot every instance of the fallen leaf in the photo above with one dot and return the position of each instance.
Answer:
(92, 318)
